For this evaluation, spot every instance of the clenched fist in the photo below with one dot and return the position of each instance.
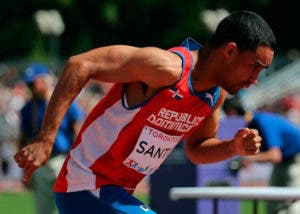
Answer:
(247, 142)
(33, 156)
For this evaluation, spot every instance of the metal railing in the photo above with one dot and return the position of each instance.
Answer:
(240, 193)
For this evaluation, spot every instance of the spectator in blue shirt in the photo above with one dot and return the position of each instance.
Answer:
(280, 145)
(39, 81)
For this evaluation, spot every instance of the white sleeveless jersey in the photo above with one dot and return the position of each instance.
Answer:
(118, 145)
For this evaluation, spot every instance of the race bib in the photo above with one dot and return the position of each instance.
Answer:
(151, 149)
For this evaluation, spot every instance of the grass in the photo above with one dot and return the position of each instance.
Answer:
(21, 202)
(16, 203)
(143, 198)
(247, 207)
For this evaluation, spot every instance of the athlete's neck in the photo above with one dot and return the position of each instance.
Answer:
(203, 70)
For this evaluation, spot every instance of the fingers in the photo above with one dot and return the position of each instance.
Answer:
(252, 145)
(28, 172)
(22, 158)
(247, 133)
(253, 142)
(253, 150)
(250, 141)
(25, 161)
(250, 135)
(32, 156)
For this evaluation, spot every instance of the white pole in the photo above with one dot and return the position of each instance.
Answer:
(247, 193)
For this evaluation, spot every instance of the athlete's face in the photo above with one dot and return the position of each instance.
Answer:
(243, 68)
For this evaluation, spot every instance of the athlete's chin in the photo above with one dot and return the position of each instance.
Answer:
(233, 91)
(236, 89)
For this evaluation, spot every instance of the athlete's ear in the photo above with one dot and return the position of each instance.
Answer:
(230, 49)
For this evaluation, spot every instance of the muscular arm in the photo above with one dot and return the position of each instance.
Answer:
(153, 66)
(203, 146)
(109, 64)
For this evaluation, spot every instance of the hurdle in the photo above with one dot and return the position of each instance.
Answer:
(239, 193)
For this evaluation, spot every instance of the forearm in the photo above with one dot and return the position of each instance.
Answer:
(245, 142)
(210, 151)
(71, 81)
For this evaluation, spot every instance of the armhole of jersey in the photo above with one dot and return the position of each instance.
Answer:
(187, 61)
(183, 65)
(123, 95)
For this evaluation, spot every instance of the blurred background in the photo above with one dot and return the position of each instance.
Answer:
(49, 32)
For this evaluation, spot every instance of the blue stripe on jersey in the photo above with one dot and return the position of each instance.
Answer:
(191, 44)
(210, 96)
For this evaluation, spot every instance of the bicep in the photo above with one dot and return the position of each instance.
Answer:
(210, 125)
(155, 67)
(122, 63)
(197, 142)
(207, 130)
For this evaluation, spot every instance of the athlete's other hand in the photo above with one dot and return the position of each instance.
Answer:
(33, 156)
(247, 142)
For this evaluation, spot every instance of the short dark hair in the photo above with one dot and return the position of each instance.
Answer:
(247, 29)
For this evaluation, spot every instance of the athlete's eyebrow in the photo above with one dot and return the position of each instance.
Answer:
(262, 64)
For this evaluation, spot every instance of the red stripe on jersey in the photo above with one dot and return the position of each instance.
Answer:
(61, 180)
(188, 60)
(98, 110)
(172, 112)
(107, 101)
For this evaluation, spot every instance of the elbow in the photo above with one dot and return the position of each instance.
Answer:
(199, 160)
(77, 68)
(74, 76)
(195, 158)
(194, 153)
(74, 63)
(190, 154)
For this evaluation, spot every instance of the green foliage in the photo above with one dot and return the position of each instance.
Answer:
(110, 13)
(93, 23)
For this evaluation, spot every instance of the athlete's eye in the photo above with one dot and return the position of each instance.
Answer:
(256, 66)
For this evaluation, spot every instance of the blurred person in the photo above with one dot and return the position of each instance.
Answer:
(9, 132)
(280, 146)
(40, 82)
(91, 94)
(291, 108)
(159, 98)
